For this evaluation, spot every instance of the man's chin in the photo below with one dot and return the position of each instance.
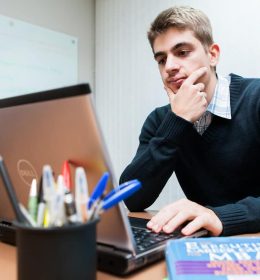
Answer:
(175, 89)
(176, 86)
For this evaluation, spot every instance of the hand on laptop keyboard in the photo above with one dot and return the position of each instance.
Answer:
(184, 210)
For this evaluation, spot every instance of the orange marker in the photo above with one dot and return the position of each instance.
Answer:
(66, 175)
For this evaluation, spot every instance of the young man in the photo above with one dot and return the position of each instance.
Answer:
(209, 134)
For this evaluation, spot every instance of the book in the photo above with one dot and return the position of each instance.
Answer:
(213, 258)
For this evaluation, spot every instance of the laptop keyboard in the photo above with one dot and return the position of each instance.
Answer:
(146, 239)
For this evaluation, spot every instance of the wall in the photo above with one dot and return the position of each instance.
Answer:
(75, 18)
(127, 82)
(128, 85)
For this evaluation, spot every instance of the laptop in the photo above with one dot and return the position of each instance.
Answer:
(50, 127)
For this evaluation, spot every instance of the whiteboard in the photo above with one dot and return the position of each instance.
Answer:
(33, 58)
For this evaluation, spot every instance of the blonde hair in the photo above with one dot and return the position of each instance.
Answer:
(182, 17)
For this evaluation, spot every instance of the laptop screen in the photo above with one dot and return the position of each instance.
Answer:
(51, 127)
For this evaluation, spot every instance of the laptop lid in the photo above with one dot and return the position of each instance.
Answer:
(50, 127)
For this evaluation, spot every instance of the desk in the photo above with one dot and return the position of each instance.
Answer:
(156, 271)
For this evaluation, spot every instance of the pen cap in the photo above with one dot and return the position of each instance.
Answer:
(65, 253)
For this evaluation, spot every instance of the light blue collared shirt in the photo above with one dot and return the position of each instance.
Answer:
(219, 105)
(220, 102)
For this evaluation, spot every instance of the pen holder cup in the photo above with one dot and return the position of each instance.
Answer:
(64, 253)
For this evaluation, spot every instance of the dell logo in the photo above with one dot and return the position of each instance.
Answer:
(26, 171)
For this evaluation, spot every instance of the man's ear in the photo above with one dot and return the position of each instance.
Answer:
(214, 52)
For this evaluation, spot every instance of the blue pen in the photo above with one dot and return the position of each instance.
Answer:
(120, 187)
(99, 189)
(115, 196)
(123, 193)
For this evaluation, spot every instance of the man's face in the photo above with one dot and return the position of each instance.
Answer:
(179, 53)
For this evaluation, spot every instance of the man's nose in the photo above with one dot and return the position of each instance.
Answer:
(172, 65)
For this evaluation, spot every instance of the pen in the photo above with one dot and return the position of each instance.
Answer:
(120, 193)
(46, 218)
(97, 193)
(33, 200)
(81, 194)
(124, 191)
(11, 193)
(70, 207)
(60, 218)
(41, 206)
(120, 187)
(49, 192)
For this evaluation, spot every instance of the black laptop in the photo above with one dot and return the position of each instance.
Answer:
(56, 125)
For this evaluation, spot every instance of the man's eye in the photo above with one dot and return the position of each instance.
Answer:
(183, 53)
(161, 61)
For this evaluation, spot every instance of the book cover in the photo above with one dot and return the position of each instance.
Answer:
(213, 258)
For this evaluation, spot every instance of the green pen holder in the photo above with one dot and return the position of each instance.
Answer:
(64, 253)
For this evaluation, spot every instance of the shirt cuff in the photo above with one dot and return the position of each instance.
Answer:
(234, 218)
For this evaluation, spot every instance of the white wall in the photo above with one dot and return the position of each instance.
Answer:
(75, 18)
(128, 85)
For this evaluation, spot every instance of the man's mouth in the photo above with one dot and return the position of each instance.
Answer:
(176, 82)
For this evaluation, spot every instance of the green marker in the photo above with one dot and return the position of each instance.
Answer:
(33, 200)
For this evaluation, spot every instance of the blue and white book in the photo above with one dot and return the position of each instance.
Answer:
(213, 258)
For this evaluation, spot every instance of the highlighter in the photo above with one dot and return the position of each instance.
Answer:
(33, 200)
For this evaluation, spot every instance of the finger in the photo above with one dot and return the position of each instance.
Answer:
(195, 76)
(154, 226)
(175, 222)
(170, 93)
(161, 219)
(193, 226)
(204, 221)
(200, 86)
(158, 223)
(202, 94)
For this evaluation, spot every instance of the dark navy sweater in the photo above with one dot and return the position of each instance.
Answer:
(219, 169)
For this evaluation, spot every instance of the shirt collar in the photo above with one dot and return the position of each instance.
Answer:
(220, 102)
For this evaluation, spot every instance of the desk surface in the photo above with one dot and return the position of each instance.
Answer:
(8, 269)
